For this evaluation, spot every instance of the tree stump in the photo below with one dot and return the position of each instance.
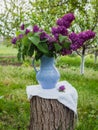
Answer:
(49, 114)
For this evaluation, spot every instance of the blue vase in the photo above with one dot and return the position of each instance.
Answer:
(48, 75)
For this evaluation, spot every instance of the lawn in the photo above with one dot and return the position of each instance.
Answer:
(15, 107)
(8, 55)
(7, 51)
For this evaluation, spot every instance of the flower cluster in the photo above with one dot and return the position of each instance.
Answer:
(79, 39)
(37, 42)
(66, 20)
(63, 23)
(74, 40)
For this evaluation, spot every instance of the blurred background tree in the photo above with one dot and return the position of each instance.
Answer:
(44, 13)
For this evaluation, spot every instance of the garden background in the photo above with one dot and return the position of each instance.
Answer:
(16, 75)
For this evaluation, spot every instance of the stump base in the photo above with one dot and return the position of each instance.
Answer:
(49, 114)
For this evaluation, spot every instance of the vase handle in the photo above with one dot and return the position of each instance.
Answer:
(33, 64)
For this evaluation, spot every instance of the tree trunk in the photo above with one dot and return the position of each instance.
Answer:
(96, 54)
(49, 114)
(82, 60)
(82, 64)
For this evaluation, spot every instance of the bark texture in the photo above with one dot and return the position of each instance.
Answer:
(96, 55)
(82, 64)
(49, 114)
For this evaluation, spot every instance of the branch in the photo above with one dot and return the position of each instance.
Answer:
(95, 24)
(78, 53)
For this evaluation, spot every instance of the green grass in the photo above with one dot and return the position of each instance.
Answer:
(7, 51)
(8, 55)
(15, 107)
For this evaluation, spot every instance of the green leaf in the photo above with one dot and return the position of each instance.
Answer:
(38, 55)
(19, 32)
(45, 40)
(35, 39)
(66, 44)
(25, 41)
(57, 47)
(65, 41)
(62, 38)
(43, 47)
(31, 50)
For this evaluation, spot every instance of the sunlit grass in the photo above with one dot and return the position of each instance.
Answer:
(7, 51)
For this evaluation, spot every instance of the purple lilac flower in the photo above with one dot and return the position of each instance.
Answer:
(77, 42)
(20, 36)
(59, 30)
(86, 35)
(59, 22)
(35, 28)
(66, 20)
(61, 88)
(66, 24)
(62, 30)
(79, 39)
(74, 47)
(73, 37)
(69, 17)
(91, 34)
(27, 31)
(22, 27)
(44, 35)
(14, 40)
(56, 36)
(51, 41)
(66, 52)
(54, 30)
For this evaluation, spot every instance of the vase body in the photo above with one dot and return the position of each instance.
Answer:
(48, 75)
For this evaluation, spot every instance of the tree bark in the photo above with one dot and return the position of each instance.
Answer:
(96, 54)
(82, 64)
(82, 60)
(49, 114)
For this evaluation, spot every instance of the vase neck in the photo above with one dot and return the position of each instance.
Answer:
(47, 61)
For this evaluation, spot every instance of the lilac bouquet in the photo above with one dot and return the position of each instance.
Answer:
(59, 42)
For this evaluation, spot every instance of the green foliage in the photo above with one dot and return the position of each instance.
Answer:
(43, 48)
(45, 12)
(11, 16)
(57, 47)
(35, 39)
(62, 38)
